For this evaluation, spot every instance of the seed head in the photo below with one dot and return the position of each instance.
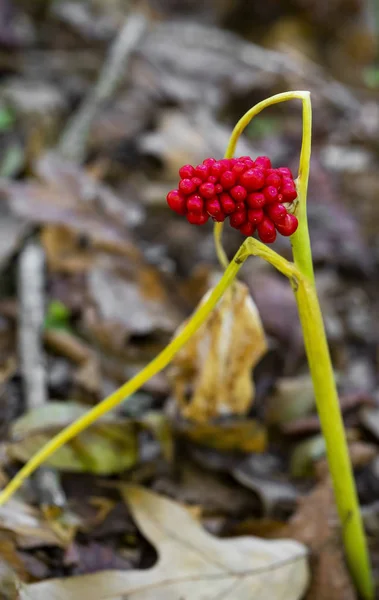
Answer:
(249, 192)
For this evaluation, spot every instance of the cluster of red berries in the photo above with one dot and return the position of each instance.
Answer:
(250, 192)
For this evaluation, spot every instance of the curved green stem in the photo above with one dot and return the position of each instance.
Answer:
(305, 155)
(301, 247)
(156, 365)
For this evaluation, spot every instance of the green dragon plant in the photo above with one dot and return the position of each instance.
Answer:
(255, 197)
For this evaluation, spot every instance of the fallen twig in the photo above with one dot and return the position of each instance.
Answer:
(74, 138)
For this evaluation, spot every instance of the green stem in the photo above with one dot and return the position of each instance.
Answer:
(325, 390)
(334, 434)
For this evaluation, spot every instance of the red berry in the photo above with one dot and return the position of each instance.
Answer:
(238, 193)
(213, 207)
(212, 179)
(228, 179)
(186, 172)
(256, 200)
(197, 219)
(255, 215)
(288, 192)
(218, 168)
(277, 212)
(288, 226)
(195, 203)
(232, 162)
(253, 179)
(187, 186)
(207, 190)
(285, 171)
(249, 163)
(208, 162)
(271, 194)
(177, 202)
(266, 231)
(203, 218)
(202, 172)
(274, 179)
(263, 161)
(238, 218)
(227, 203)
(220, 217)
(196, 181)
(218, 188)
(247, 228)
(238, 168)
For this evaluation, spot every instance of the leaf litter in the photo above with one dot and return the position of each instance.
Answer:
(191, 563)
(122, 274)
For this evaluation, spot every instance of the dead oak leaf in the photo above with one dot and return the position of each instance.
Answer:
(192, 564)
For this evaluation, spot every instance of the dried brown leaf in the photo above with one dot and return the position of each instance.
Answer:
(70, 198)
(128, 300)
(316, 525)
(243, 435)
(215, 366)
(192, 564)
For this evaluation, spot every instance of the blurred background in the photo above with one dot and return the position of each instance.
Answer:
(101, 102)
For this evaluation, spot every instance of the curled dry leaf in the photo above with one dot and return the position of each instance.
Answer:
(192, 563)
(215, 366)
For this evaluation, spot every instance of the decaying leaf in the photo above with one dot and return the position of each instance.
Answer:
(192, 563)
(9, 585)
(27, 525)
(263, 475)
(242, 435)
(212, 374)
(70, 198)
(292, 398)
(109, 446)
(129, 300)
(316, 524)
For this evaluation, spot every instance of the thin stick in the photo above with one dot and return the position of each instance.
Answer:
(31, 282)
(74, 139)
(31, 294)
